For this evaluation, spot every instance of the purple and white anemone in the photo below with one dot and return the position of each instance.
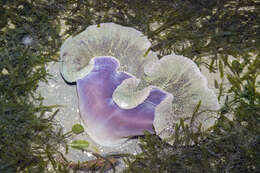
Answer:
(124, 91)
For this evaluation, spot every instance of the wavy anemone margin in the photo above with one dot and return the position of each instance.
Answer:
(157, 92)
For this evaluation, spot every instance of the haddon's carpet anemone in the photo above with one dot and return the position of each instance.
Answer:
(123, 89)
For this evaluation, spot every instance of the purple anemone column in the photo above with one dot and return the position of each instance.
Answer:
(105, 122)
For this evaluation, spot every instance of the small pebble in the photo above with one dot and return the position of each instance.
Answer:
(5, 71)
(27, 40)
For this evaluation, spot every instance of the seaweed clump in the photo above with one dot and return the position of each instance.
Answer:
(29, 38)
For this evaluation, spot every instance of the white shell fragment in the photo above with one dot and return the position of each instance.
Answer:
(128, 45)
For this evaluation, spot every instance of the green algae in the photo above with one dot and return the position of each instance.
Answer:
(79, 144)
(77, 129)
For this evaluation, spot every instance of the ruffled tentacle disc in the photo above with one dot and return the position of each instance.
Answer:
(128, 45)
(179, 77)
(182, 78)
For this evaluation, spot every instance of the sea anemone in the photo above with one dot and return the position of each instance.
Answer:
(124, 89)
